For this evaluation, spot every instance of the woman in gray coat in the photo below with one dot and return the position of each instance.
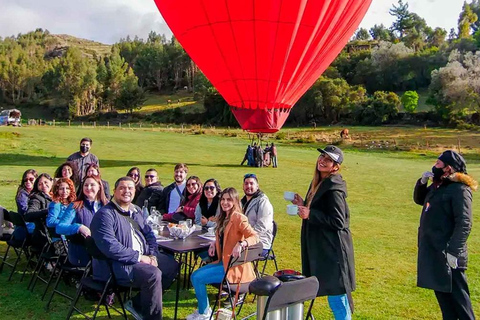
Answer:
(326, 241)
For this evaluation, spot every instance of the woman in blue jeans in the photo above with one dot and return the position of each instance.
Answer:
(233, 234)
(326, 241)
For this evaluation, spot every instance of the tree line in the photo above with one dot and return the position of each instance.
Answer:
(379, 72)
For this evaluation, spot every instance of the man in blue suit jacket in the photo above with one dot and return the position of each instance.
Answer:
(121, 233)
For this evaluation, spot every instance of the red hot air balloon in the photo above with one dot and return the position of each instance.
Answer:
(262, 55)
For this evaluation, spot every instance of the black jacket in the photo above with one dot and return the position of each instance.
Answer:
(37, 212)
(326, 241)
(147, 193)
(445, 225)
(161, 200)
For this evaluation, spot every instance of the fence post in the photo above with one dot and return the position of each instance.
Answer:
(69, 123)
(53, 122)
(108, 124)
(119, 124)
(82, 124)
(94, 124)
(129, 125)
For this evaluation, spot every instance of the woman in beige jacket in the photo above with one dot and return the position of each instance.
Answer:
(233, 234)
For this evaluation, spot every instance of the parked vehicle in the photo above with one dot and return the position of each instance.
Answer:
(10, 117)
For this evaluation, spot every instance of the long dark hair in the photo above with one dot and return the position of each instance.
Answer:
(208, 212)
(100, 195)
(222, 219)
(139, 182)
(35, 185)
(24, 176)
(73, 166)
(200, 187)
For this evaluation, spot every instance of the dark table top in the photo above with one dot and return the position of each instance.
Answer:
(192, 243)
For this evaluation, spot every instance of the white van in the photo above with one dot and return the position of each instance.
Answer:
(10, 117)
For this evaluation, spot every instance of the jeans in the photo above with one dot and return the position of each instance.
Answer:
(211, 273)
(340, 307)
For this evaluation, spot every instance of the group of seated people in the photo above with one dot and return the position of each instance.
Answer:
(77, 202)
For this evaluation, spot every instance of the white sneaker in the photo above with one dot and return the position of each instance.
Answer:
(200, 316)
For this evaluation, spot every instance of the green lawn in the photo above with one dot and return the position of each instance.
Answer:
(384, 219)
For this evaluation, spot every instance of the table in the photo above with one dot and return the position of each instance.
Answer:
(185, 248)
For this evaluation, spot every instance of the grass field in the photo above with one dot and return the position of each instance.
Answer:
(384, 219)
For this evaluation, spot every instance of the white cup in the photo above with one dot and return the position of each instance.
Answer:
(155, 232)
(211, 230)
(289, 195)
(292, 209)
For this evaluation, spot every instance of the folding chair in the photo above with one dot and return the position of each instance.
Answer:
(270, 254)
(290, 293)
(250, 255)
(66, 269)
(48, 257)
(19, 246)
(104, 287)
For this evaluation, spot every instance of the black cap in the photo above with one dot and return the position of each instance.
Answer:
(454, 160)
(335, 153)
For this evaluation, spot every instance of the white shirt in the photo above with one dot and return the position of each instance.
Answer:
(175, 197)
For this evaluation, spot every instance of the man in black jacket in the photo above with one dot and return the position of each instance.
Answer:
(152, 186)
(169, 200)
(445, 225)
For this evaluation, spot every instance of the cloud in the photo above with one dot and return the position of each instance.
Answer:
(106, 21)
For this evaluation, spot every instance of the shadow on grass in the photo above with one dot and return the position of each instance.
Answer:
(16, 159)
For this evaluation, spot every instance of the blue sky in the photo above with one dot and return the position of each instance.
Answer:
(109, 20)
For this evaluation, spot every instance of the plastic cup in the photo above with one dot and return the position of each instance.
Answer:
(211, 230)
(292, 209)
(289, 195)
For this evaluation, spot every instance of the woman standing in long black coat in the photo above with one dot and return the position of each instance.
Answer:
(326, 241)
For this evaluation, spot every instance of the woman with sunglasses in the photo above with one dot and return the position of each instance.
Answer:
(326, 240)
(37, 211)
(77, 221)
(207, 208)
(134, 173)
(94, 170)
(186, 210)
(23, 191)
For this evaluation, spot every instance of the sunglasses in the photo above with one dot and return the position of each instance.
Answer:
(191, 184)
(133, 175)
(211, 188)
(151, 176)
(29, 179)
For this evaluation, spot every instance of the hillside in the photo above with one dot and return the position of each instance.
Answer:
(58, 43)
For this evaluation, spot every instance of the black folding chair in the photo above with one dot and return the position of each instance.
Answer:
(99, 286)
(66, 269)
(49, 257)
(252, 255)
(270, 253)
(19, 246)
(290, 293)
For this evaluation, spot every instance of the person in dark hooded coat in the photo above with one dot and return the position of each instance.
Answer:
(326, 241)
(445, 225)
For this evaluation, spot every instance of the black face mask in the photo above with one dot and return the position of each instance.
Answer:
(437, 173)
(84, 149)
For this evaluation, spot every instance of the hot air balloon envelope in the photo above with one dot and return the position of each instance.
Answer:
(262, 55)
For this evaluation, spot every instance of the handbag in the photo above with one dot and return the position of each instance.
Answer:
(224, 313)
